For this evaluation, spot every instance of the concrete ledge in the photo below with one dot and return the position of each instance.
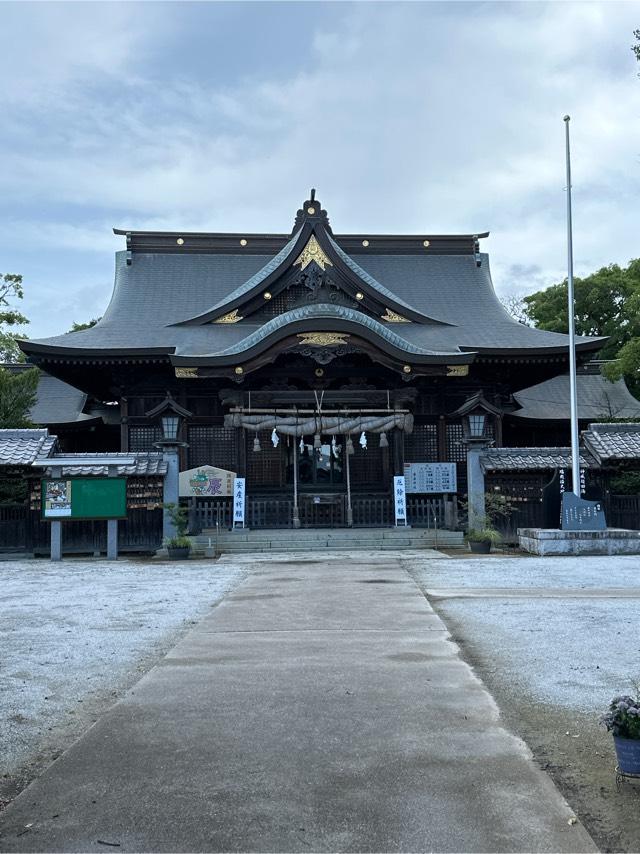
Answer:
(553, 541)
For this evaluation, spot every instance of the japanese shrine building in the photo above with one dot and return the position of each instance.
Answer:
(321, 337)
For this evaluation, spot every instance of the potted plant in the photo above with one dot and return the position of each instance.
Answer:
(481, 539)
(178, 546)
(623, 720)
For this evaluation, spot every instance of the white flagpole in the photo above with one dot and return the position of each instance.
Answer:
(573, 398)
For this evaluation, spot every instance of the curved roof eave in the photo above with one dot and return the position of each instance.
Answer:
(335, 318)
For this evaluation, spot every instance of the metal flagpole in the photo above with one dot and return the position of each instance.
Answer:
(573, 398)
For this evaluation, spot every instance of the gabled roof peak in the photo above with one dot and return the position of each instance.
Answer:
(311, 212)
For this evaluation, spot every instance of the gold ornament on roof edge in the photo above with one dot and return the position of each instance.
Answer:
(457, 370)
(313, 252)
(232, 317)
(186, 372)
(323, 339)
(392, 317)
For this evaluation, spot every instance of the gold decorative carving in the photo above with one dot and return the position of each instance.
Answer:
(232, 317)
(313, 252)
(323, 339)
(186, 372)
(392, 317)
(457, 370)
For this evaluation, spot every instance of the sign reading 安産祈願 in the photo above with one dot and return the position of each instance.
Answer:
(84, 498)
(238, 501)
(430, 477)
(206, 482)
(400, 500)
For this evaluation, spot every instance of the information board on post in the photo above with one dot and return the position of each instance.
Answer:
(400, 500)
(431, 477)
(238, 501)
(84, 498)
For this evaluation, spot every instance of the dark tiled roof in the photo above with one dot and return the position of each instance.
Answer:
(157, 290)
(147, 464)
(613, 441)
(597, 398)
(22, 447)
(58, 402)
(529, 459)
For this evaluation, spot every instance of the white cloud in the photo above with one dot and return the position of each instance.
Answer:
(406, 117)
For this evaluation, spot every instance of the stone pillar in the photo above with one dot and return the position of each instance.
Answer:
(170, 493)
(475, 483)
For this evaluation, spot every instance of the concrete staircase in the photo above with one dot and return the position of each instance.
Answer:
(321, 539)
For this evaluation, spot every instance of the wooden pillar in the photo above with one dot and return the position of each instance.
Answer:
(398, 452)
(124, 424)
(442, 439)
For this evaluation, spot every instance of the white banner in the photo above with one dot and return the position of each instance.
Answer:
(238, 501)
(400, 500)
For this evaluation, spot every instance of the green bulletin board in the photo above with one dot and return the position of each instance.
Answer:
(91, 498)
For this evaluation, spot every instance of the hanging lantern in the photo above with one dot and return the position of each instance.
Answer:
(256, 445)
(384, 442)
(275, 439)
(317, 443)
(363, 441)
(349, 445)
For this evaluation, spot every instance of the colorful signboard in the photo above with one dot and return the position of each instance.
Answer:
(56, 499)
(206, 482)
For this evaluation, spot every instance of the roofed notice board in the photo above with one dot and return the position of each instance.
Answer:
(84, 498)
(430, 477)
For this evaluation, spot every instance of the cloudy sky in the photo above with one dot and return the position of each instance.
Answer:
(406, 117)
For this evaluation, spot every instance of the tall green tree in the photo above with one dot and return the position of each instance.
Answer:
(17, 396)
(607, 303)
(10, 289)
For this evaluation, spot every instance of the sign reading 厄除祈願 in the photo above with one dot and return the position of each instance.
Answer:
(206, 482)
(430, 477)
(578, 514)
(400, 500)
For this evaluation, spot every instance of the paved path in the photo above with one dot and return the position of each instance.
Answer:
(319, 707)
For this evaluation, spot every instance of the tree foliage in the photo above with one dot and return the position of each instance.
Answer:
(78, 327)
(607, 303)
(17, 396)
(10, 289)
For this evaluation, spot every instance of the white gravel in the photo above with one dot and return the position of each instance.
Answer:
(573, 651)
(75, 634)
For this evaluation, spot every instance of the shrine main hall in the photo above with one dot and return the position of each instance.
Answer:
(310, 360)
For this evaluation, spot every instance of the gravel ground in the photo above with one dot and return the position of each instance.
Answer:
(554, 639)
(75, 635)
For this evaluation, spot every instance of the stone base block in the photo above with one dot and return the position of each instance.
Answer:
(552, 541)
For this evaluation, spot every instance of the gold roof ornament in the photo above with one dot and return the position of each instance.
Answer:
(184, 373)
(232, 317)
(323, 339)
(392, 317)
(313, 252)
(457, 370)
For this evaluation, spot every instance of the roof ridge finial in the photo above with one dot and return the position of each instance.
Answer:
(312, 210)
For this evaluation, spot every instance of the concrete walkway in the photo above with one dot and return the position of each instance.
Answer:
(319, 707)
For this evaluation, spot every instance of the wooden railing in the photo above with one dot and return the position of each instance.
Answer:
(322, 511)
(623, 511)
